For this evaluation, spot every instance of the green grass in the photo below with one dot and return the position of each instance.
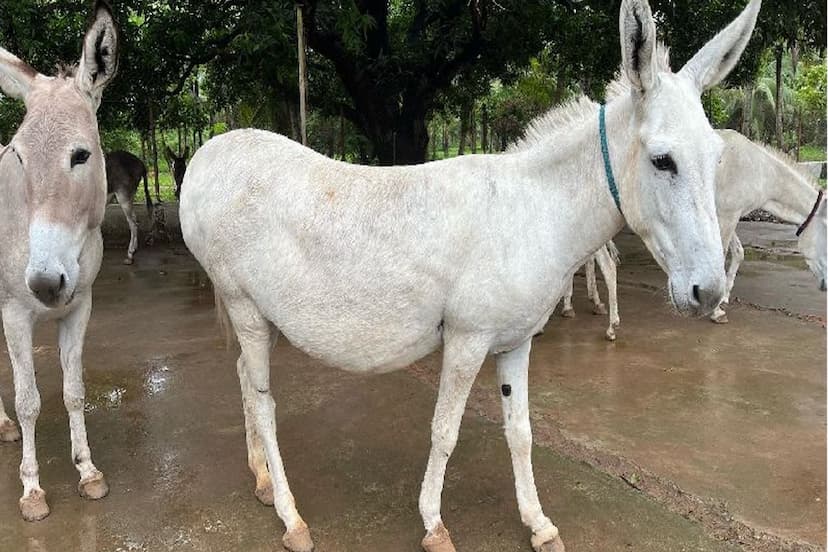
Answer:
(166, 186)
(811, 153)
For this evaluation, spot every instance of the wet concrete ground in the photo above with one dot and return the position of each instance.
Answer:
(734, 413)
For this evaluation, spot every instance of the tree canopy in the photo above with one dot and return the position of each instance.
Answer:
(382, 68)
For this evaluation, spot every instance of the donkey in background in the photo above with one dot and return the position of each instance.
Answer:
(53, 189)
(123, 173)
(178, 167)
(371, 268)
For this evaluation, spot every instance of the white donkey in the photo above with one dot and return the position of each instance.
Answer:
(371, 268)
(53, 190)
(750, 176)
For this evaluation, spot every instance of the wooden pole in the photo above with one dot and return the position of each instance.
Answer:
(303, 76)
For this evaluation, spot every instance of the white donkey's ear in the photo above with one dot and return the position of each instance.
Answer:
(99, 59)
(638, 44)
(717, 58)
(16, 76)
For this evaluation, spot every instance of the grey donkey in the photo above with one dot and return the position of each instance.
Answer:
(123, 173)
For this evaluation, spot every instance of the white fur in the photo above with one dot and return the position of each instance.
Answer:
(750, 177)
(371, 268)
(54, 234)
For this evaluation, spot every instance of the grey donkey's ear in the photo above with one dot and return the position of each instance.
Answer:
(717, 58)
(638, 44)
(16, 76)
(99, 59)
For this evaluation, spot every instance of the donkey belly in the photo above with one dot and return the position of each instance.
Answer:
(363, 321)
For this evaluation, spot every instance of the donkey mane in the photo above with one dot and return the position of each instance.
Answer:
(789, 162)
(557, 121)
(66, 70)
(560, 119)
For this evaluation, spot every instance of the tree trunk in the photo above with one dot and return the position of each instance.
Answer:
(154, 151)
(747, 111)
(303, 74)
(798, 132)
(779, 52)
(484, 129)
(331, 138)
(295, 131)
(473, 129)
(341, 135)
(465, 112)
(445, 138)
(433, 142)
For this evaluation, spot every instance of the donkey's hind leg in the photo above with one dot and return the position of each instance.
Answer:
(125, 201)
(513, 376)
(256, 457)
(8, 429)
(254, 335)
(462, 358)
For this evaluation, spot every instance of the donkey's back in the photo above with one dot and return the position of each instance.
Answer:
(123, 172)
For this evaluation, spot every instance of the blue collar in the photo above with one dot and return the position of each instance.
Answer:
(602, 129)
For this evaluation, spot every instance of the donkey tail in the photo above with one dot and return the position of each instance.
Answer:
(147, 193)
(613, 251)
(223, 318)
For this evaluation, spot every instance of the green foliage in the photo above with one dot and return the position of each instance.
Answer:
(810, 88)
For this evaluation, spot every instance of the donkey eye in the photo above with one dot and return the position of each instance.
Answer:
(79, 157)
(665, 163)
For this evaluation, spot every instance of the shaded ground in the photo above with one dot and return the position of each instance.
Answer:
(735, 413)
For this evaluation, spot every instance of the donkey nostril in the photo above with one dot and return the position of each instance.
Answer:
(62, 282)
(696, 294)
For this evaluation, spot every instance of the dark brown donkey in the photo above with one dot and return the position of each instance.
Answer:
(123, 173)
(178, 166)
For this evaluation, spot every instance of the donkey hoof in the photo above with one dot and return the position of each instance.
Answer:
(720, 319)
(265, 495)
(600, 308)
(611, 335)
(554, 545)
(33, 507)
(128, 261)
(438, 540)
(93, 487)
(9, 432)
(568, 313)
(298, 539)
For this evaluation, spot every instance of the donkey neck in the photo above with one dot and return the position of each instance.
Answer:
(590, 217)
(790, 196)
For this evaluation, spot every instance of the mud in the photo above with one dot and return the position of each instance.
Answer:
(734, 413)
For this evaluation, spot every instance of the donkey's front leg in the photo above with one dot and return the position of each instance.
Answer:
(513, 376)
(567, 311)
(8, 429)
(18, 325)
(592, 288)
(737, 255)
(610, 272)
(71, 333)
(462, 357)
